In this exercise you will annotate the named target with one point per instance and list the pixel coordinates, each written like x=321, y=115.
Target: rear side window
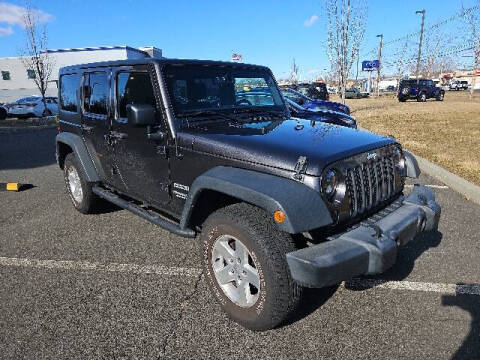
x=95, y=93
x=133, y=88
x=68, y=92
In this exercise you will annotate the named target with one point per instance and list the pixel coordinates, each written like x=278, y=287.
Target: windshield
x=200, y=88
x=28, y=100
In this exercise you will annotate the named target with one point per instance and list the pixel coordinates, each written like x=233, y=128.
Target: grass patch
x=446, y=133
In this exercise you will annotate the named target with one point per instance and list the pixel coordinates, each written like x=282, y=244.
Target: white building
x=17, y=82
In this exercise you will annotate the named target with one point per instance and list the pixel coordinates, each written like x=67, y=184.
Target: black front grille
x=370, y=183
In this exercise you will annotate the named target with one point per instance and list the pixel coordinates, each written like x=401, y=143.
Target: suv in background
x=458, y=85
x=419, y=89
x=315, y=91
x=279, y=203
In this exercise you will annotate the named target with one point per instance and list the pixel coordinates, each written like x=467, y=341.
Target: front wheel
x=440, y=97
x=79, y=190
x=246, y=267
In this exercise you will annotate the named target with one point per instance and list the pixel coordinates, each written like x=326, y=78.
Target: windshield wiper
x=205, y=113
x=253, y=110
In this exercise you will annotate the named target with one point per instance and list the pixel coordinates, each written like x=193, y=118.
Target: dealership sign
x=368, y=65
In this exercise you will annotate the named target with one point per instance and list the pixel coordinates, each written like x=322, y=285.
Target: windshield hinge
x=300, y=168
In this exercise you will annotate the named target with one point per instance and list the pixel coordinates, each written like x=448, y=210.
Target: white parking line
x=449, y=289
x=112, y=267
x=358, y=284
x=430, y=186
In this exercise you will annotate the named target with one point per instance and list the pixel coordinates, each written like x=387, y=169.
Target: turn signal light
x=279, y=216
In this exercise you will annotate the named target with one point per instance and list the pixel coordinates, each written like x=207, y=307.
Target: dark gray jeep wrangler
x=280, y=203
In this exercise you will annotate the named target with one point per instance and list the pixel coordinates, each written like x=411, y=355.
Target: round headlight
x=399, y=160
x=333, y=187
x=329, y=183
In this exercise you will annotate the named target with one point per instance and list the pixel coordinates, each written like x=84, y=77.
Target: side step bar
x=165, y=224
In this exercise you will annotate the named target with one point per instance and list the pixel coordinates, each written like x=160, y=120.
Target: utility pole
x=379, y=62
x=421, y=38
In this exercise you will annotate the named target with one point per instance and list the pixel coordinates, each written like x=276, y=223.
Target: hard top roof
x=162, y=61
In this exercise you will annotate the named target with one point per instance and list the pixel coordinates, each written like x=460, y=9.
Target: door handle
x=87, y=128
x=118, y=135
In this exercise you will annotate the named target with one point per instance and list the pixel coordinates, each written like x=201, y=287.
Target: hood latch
x=300, y=168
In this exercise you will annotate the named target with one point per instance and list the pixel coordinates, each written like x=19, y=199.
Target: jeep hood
x=279, y=144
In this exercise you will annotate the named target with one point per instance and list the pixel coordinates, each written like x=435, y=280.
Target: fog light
x=279, y=216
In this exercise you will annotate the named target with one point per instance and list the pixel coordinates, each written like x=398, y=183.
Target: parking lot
x=112, y=285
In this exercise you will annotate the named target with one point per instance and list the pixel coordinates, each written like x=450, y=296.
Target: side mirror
x=141, y=115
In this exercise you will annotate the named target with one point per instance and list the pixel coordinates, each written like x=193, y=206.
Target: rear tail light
x=328, y=97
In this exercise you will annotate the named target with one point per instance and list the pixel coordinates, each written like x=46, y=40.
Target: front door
x=96, y=120
x=142, y=163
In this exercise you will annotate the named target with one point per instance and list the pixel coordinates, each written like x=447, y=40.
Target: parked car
x=312, y=104
x=354, y=93
x=324, y=115
x=419, y=89
x=315, y=91
x=3, y=112
x=32, y=106
x=172, y=142
x=458, y=85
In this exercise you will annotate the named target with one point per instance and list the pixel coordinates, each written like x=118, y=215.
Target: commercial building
x=16, y=81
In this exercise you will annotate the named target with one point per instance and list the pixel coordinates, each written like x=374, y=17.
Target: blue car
x=322, y=115
x=311, y=104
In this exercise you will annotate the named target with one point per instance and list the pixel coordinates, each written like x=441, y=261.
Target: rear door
x=142, y=163
x=96, y=122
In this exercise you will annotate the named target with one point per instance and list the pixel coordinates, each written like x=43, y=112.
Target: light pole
x=421, y=38
x=379, y=62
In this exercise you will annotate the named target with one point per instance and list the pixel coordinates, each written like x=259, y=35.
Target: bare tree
x=473, y=20
x=35, y=57
x=346, y=29
x=294, y=73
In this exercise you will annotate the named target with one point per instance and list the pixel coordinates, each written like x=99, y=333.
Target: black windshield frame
x=223, y=91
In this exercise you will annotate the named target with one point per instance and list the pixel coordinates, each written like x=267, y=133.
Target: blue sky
x=270, y=33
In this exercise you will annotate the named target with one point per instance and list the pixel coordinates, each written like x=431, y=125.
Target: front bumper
x=370, y=248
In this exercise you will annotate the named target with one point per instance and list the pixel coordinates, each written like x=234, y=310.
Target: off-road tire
x=422, y=97
x=3, y=114
x=402, y=99
x=279, y=295
x=440, y=96
x=90, y=201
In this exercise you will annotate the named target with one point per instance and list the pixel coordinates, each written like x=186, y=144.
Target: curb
x=460, y=185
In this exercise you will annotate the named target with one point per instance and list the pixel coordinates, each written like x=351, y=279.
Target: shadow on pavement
x=311, y=300
x=406, y=258
x=27, y=149
x=470, y=348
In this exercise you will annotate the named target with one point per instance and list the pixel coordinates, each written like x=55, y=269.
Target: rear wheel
x=3, y=113
x=422, y=97
x=79, y=190
x=246, y=267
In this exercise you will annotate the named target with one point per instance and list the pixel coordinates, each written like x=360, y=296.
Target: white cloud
x=5, y=31
x=313, y=71
x=311, y=20
x=12, y=15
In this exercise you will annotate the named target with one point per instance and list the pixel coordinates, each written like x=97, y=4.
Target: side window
x=95, y=93
x=6, y=75
x=133, y=88
x=68, y=92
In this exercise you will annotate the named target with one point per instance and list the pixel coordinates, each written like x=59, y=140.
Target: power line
x=462, y=13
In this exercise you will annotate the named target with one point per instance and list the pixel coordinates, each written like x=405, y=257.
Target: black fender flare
x=78, y=147
x=413, y=170
x=304, y=207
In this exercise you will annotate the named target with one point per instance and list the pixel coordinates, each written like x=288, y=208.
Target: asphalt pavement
x=112, y=285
